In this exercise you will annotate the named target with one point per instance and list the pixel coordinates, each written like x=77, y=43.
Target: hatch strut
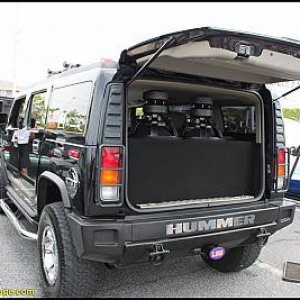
x=287, y=93
x=150, y=60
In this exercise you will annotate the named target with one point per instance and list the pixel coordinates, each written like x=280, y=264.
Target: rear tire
x=236, y=259
x=74, y=277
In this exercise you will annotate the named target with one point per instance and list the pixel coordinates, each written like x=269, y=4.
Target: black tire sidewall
x=77, y=277
x=236, y=259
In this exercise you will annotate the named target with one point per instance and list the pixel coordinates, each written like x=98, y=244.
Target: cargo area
x=199, y=146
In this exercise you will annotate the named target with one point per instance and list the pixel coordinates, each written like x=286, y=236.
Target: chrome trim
x=206, y=202
x=72, y=182
x=28, y=211
x=17, y=224
x=49, y=255
x=65, y=143
x=188, y=237
x=120, y=201
x=187, y=216
x=241, y=229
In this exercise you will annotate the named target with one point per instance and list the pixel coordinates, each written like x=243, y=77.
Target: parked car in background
x=292, y=137
x=5, y=104
x=293, y=191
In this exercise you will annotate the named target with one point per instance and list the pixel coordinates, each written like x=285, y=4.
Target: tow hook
x=262, y=237
x=158, y=254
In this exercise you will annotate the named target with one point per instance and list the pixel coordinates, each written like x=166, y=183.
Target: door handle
x=35, y=146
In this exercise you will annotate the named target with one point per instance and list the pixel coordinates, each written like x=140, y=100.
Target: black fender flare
x=60, y=185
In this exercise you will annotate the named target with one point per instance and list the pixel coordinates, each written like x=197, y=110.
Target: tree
x=73, y=121
x=52, y=111
x=38, y=109
x=291, y=113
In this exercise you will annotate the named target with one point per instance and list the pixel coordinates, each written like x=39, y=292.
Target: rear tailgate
x=223, y=54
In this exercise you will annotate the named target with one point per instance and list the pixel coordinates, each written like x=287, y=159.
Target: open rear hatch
x=167, y=172
x=222, y=54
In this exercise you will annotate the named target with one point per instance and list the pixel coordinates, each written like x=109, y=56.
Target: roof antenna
x=68, y=66
x=51, y=72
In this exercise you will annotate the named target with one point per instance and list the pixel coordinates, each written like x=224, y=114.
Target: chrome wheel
x=49, y=255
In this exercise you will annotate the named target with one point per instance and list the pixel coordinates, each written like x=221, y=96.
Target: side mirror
x=3, y=119
x=294, y=151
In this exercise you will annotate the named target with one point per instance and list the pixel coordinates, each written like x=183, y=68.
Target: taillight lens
x=110, y=157
x=74, y=153
x=110, y=177
x=6, y=148
x=107, y=60
x=281, y=169
x=281, y=161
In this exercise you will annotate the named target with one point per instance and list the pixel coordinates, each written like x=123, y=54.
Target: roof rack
x=66, y=67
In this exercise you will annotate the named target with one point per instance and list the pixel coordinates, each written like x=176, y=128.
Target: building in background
x=7, y=95
x=7, y=88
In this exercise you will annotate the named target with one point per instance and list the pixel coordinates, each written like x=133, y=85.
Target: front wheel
x=63, y=273
x=236, y=259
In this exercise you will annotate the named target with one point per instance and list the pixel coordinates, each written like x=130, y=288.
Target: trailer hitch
x=158, y=254
x=262, y=237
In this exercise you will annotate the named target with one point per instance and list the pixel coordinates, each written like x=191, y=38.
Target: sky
x=37, y=36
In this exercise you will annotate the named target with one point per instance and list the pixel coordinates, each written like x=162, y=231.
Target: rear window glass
x=239, y=119
x=69, y=108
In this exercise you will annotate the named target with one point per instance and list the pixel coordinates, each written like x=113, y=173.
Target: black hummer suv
x=177, y=149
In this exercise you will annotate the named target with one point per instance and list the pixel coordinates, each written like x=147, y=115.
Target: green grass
x=291, y=113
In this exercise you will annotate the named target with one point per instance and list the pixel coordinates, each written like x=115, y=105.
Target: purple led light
x=217, y=253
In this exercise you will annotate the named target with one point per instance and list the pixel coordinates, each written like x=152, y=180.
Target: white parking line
x=269, y=268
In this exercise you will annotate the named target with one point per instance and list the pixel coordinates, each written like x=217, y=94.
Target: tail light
x=110, y=177
x=6, y=148
x=107, y=60
x=281, y=172
x=74, y=154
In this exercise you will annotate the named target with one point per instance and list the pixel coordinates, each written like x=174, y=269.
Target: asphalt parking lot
x=186, y=277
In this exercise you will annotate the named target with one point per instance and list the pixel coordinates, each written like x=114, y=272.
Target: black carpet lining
x=169, y=168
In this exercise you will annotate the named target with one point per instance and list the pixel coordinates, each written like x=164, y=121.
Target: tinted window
x=38, y=110
x=69, y=107
x=18, y=112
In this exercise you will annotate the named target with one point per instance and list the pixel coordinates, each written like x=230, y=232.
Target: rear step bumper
x=136, y=239
x=17, y=224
